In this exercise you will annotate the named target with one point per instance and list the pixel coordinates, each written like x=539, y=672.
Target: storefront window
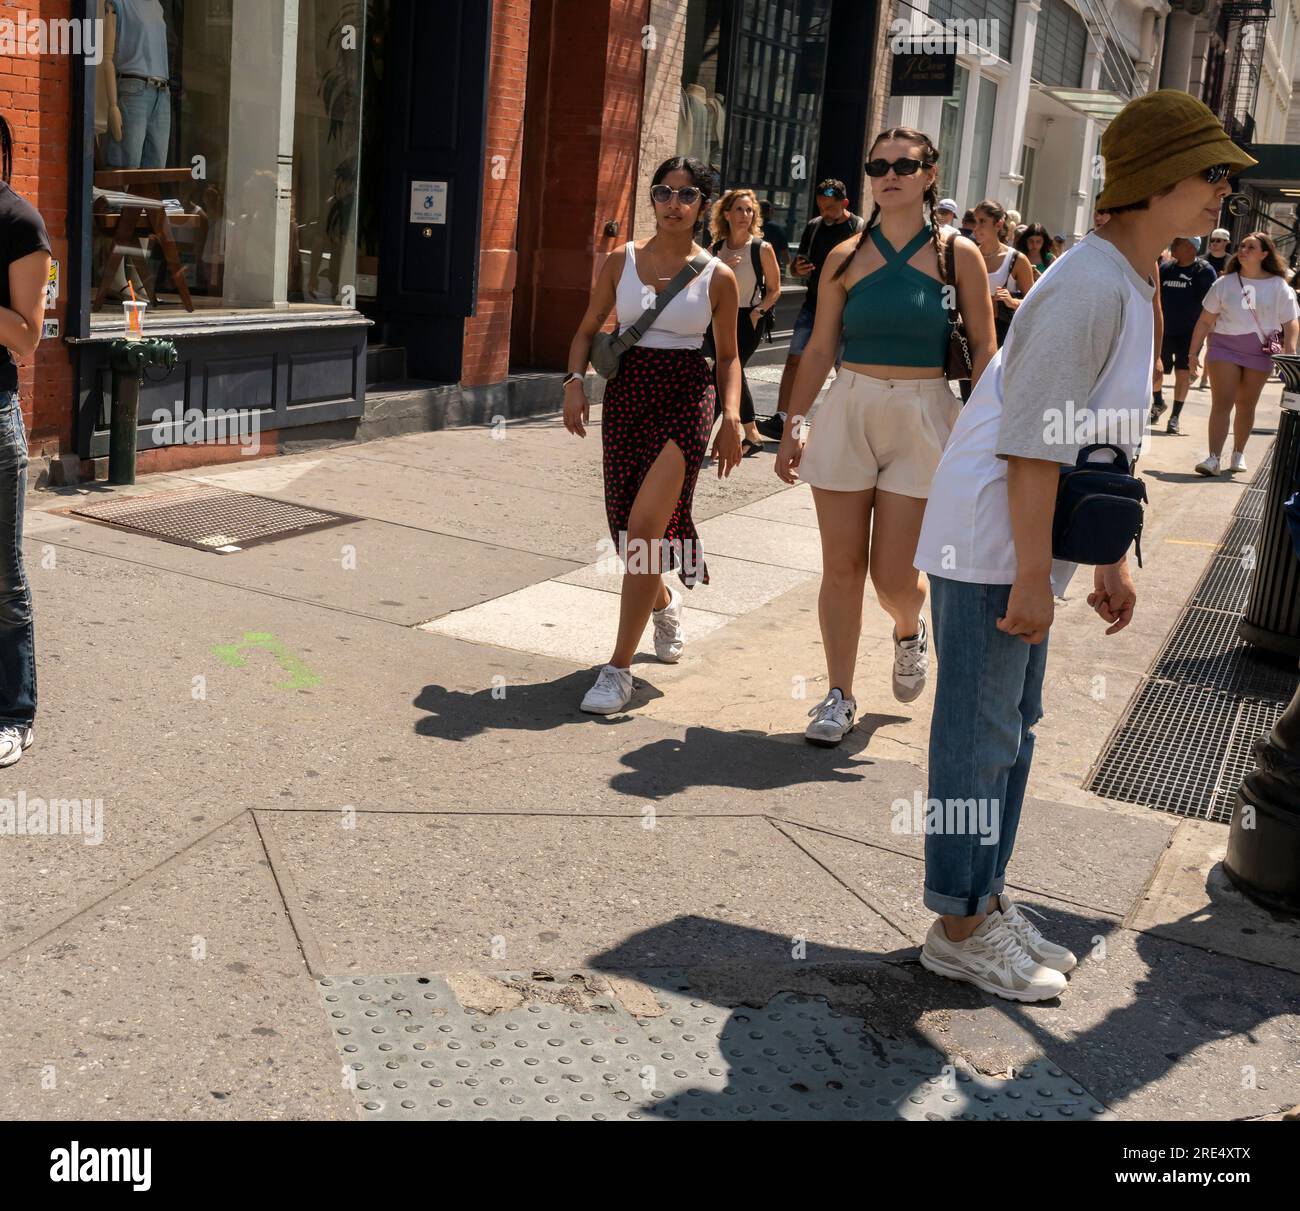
x=228, y=135
x=776, y=107
x=951, y=122
x=977, y=181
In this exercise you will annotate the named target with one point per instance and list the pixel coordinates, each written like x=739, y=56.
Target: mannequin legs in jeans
x=17, y=645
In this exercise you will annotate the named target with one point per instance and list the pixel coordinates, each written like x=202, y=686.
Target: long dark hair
x=1022, y=243
x=1272, y=262
x=929, y=157
x=6, y=150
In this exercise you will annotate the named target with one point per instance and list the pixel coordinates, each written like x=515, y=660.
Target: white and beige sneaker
x=832, y=720
x=1238, y=461
x=669, y=636
x=1209, y=465
x=911, y=664
x=1037, y=947
x=992, y=959
x=14, y=741
x=611, y=693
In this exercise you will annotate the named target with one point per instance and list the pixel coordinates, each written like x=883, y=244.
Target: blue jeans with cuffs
x=17, y=642
x=988, y=697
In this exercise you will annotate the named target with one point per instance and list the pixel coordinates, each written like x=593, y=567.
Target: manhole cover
x=410, y=1050
x=209, y=518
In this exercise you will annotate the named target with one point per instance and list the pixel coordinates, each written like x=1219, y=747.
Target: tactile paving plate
x=208, y=517
x=414, y=1053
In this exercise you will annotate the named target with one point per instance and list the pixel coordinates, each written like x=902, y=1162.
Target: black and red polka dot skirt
x=658, y=396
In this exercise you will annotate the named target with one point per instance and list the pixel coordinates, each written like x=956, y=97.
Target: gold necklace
x=666, y=277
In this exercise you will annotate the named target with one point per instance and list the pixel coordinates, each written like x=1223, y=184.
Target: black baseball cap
x=831, y=188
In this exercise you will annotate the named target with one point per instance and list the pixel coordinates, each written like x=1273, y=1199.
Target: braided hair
x=6, y=150
x=929, y=158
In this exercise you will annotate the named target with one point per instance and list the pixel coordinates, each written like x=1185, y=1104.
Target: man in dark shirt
x=24, y=271
x=1184, y=282
x=834, y=224
x=1218, y=253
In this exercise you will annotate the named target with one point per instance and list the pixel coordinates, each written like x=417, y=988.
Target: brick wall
x=486, y=357
x=661, y=103
x=35, y=98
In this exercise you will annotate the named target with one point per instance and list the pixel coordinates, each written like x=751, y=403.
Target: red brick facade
x=35, y=98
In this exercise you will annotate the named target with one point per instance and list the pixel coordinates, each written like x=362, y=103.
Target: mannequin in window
x=139, y=95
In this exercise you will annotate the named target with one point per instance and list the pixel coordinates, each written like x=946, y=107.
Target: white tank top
x=998, y=278
x=682, y=324
x=746, y=282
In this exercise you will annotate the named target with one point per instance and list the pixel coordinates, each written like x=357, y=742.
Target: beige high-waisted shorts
x=879, y=433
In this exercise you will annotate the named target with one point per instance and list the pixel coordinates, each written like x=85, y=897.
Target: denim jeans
x=146, y=126
x=17, y=645
x=988, y=697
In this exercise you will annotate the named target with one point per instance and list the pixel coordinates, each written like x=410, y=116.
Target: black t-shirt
x=1217, y=262
x=775, y=235
x=22, y=232
x=1182, y=289
x=816, y=243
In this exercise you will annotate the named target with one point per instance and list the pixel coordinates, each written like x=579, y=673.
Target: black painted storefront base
x=269, y=375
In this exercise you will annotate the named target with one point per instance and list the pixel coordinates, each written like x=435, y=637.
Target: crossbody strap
x=688, y=272
x=1254, y=315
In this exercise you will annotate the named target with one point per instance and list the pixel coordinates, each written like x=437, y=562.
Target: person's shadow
x=792, y=1046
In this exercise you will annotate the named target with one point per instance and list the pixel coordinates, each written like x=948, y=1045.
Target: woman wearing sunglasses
x=878, y=435
x=657, y=414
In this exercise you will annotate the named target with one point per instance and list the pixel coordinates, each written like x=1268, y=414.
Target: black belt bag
x=1098, y=510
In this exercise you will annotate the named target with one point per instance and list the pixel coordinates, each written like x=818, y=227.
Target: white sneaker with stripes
x=992, y=959
x=1049, y=954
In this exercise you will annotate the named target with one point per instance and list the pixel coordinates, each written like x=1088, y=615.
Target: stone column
x=1013, y=104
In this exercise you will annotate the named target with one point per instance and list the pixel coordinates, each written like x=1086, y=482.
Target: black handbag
x=1098, y=510
x=957, y=362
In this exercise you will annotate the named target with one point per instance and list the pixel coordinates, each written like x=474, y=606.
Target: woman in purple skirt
x=1247, y=312
x=657, y=415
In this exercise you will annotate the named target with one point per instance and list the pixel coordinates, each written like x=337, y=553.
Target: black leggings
x=746, y=342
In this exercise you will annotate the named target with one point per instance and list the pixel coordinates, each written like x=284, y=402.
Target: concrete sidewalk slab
x=370, y=568
x=736, y=586
x=556, y=619
x=183, y=997
x=446, y=894
x=782, y=543
x=794, y=506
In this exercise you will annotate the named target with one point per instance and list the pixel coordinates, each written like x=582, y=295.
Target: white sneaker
x=911, y=663
x=669, y=636
x=13, y=741
x=1037, y=947
x=832, y=720
x=1238, y=461
x=1209, y=465
x=992, y=959
x=611, y=693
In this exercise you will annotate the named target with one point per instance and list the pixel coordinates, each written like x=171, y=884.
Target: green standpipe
x=129, y=359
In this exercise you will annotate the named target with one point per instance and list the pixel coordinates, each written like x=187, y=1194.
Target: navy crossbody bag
x=1098, y=510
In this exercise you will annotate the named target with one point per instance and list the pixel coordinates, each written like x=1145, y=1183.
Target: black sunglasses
x=1217, y=172
x=903, y=168
x=687, y=196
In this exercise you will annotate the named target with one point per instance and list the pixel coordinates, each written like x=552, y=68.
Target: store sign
x=52, y=286
x=428, y=201
x=920, y=71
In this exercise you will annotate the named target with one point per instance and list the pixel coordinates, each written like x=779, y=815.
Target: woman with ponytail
x=877, y=437
x=24, y=270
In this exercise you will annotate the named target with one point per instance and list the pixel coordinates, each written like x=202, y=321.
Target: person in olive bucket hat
x=986, y=538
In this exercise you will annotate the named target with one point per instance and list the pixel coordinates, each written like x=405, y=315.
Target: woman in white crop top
x=657, y=414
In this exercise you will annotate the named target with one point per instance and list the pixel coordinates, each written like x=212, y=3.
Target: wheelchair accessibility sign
x=428, y=201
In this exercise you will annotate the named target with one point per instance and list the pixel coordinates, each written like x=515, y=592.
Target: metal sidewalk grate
x=1224, y=586
x=209, y=518
x=1187, y=736
x=1251, y=504
x=412, y=1051
x=1169, y=749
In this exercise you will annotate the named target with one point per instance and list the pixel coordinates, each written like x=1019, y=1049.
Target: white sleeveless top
x=682, y=324
x=746, y=282
x=998, y=278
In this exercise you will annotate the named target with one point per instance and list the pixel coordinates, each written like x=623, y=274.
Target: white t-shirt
x=1075, y=369
x=680, y=325
x=1274, y=303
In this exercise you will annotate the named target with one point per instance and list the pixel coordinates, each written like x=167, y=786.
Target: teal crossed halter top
x=895, y=315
